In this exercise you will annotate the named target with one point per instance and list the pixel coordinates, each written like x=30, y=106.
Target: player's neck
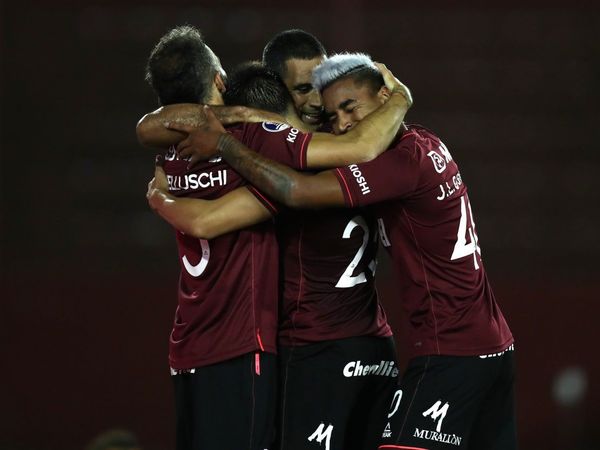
x=295, y=121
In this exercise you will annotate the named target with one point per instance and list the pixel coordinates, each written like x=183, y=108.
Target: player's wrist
x=225, y=143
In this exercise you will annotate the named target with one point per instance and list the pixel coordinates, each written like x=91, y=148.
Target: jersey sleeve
x=278, y=142
x=272, y=206
x=394, y=174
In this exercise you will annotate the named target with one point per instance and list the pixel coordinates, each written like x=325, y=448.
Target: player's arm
x=152, y=129
x=284, y=184
x=205, y=219
x=367, y=140
x=370, y=137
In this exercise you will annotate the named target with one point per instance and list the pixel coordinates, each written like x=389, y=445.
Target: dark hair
x=291, y=44
x=363, y=75
x=181, y=68
x=252, y=84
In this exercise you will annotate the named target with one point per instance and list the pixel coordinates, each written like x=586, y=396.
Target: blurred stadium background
x=88, y=279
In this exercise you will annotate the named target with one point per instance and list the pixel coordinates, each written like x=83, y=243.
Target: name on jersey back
x=195, y=180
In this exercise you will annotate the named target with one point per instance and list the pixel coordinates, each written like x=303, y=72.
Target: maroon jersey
x=426, y=222
x=329, y=260
x=328, y=257
x=228, y=287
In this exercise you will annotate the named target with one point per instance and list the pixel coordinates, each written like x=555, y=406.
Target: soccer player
x=223, y=343
x=293, y=54
x=458, y=388
x=336, y=346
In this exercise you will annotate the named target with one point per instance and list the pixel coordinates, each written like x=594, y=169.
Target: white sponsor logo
x=387, y=432
x=358, y=176
x=494, y=355
x=384, y=369
x=437, y=410
x=322, y=434
x=197, y=180
x=451, y=439
x=274, y=127
x=292, y=135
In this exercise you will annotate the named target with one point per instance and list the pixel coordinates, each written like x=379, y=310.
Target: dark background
x=89, y=274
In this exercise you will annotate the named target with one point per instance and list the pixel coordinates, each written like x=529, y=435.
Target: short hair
x=290, y=44
x=181, y=67
x=252, y=84
x=358, y=66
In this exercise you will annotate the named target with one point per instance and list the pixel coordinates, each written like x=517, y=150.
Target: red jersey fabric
x=328, y=257
x=228, y=286
x=426, y=223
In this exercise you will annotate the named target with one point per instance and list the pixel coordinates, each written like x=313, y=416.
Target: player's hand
x=201, y=143
x=159, y=184
x=394, y=84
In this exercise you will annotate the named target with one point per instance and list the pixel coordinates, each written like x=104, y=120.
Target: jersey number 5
x=463, y=248
x=196, y=270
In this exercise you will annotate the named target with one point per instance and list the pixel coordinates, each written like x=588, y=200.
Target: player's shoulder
x=262, y=127
x=251, y=131
x=418, y=134
x=416, y=140
x=429, y=149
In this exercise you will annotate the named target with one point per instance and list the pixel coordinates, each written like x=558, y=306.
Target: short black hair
x=181, y=67
x=363, y=75
x=289, y=44
x=252, y=84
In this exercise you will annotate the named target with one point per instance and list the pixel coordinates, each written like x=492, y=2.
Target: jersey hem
x=445, y=351
x=297, y=341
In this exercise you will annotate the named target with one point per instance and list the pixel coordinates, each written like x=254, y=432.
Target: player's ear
x=384, y=94
x=219, y=82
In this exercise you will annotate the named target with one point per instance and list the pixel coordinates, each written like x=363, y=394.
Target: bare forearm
x=184, y=214
x=234, y=114
x=151, y=130
x=152, y=133
x=363, y=143
x=377, y=131
x=207, y=219
x=273, y=178
x=287, y=186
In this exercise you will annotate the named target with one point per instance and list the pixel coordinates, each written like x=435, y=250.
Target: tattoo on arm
x=269, y=176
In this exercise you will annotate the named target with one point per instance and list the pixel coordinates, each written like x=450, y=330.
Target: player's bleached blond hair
x=339, y=65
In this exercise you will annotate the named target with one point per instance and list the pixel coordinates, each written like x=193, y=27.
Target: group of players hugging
x=280, y=192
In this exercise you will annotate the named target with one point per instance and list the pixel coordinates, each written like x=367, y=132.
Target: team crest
x=439, y=163
x=274, y=127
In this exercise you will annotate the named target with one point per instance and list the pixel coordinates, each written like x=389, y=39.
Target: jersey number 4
x=466, y=229
x=347, y=280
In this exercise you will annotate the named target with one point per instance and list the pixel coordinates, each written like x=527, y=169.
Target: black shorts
x=227, y=406
x=335, y=394
x=454, y=402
